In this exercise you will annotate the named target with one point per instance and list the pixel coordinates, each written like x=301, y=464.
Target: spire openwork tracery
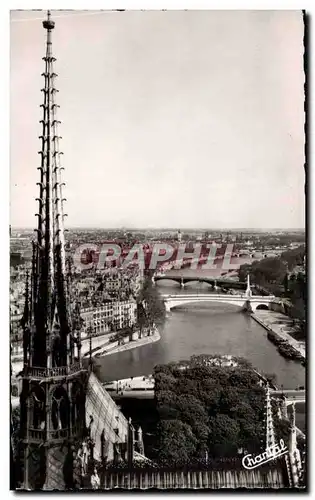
x=49, y=298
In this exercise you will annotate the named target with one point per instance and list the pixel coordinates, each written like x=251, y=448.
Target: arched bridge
x=213, y=282
x=243, y=301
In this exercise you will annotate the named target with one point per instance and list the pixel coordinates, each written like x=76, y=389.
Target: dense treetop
x=208, y=412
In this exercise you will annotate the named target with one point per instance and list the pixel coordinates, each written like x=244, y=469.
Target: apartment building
x=109, y=316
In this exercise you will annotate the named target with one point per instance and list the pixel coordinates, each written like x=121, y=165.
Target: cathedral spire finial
x=48, y=24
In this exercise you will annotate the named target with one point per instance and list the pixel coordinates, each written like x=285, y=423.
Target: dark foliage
x=274, y=275
x=151, y=308
x=208, y=411
x=268, y=272
x=294, y=257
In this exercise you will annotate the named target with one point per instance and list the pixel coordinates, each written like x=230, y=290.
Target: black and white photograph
x=158, y=256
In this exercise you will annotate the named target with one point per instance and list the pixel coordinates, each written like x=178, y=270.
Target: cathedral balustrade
x=60, y=434
x=59, y=371
x=40, y=435
x=36, y=434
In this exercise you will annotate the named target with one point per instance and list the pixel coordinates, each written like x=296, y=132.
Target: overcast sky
x=169, y=119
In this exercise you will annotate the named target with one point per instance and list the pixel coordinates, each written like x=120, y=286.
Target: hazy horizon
x=161, y=228
x=176, y=119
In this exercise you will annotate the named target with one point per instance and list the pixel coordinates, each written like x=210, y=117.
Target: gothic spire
x=49, y=269
x=52, y=399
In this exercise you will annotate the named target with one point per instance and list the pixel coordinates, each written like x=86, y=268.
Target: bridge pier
x=248, y=306
x=182, y=284
x=167, y=306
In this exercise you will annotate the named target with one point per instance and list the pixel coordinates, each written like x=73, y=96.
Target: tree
x=185, y=386
x=177, y=443
x=161, y=369
x=230, y=399
x=298, y=309
x=252, y=434
x=243, y=271
x=243, y=378
x=191, y=409
x=164, y=382
x=210, y=395
x=294, y=257
x=269, y=271
x=224, y=436
x=271, y=378
x=167, y=404
x=151, y=308
x=223, y=406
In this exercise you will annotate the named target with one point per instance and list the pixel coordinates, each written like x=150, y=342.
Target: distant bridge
x=246, y=256
x=243, y=301
x=182, y=281
x=290, y=395
x=287, y=398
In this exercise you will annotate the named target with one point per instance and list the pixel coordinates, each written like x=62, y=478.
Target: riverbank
x=130, y=344
x=134, y=387
x=105, y=347
x=279, y=326
x=97, y=342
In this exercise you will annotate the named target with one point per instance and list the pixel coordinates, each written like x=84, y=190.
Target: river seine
x=204, y=329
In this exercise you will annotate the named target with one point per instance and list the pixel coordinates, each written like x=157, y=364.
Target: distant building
x=129, y=279
x=109, y=316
